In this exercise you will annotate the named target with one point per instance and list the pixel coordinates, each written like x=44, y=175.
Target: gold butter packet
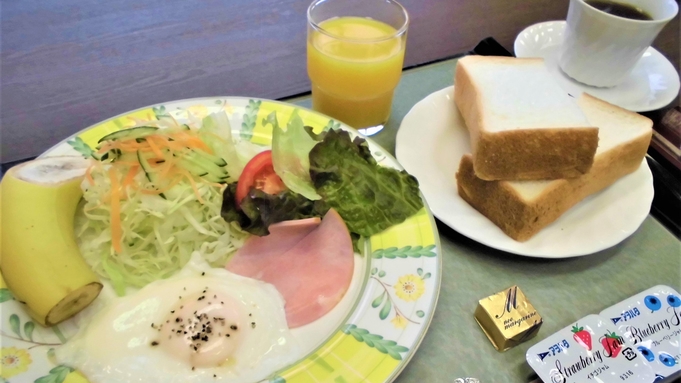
x=507, y=318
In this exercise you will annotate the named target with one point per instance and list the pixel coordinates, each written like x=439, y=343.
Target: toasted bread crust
x=521, y=219
x=531, y=154
x=522, y=154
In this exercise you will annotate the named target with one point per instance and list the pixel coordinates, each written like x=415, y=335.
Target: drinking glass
x=355, y=52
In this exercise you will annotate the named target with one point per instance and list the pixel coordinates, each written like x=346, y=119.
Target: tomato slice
x=259, y=173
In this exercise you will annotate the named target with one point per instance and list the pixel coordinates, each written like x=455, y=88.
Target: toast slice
x=523, y=208
x=522, y=124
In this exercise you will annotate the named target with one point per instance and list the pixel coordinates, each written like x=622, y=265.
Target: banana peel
x=39, y=257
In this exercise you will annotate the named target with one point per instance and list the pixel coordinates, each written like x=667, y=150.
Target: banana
x=39, y=257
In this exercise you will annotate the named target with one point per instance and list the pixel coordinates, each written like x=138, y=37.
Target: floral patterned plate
x=376, y=337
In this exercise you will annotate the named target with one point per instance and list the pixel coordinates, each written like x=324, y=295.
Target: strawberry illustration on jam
x=612, y=343
x=581, y=336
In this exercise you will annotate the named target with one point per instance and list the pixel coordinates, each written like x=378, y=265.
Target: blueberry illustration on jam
x=667, y=359
x=673, y=300
x=652, y=303
x=646, y=353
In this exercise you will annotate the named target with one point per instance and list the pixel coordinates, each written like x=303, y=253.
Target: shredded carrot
x=166, y=169
x=191, y=181
x=120, y=163
x=198, y=143
x=163, y=141
x=116, y=228
x=88, y=175
x=192, y=141
x=154, y=148
x=163, y=164
x=158, y=140
x=127, y=181
x=125, y=145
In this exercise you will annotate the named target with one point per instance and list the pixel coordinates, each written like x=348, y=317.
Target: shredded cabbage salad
x=133, y=231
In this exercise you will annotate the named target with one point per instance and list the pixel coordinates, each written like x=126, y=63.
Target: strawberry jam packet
x=651, y=322
x=590, y=350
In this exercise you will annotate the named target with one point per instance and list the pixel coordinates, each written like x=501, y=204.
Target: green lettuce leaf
x=369, y=197
x=259, y=210
x=216, y=132
x=290, y=154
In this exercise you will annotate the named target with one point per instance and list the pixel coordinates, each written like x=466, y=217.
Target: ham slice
x=310, y=264
x=248, y=260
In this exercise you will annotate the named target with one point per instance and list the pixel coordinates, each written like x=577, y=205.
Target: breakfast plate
x=653, y=83
x=432, y=139
x=369, y=336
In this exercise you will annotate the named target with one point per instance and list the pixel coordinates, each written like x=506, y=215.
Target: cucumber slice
x=110, y=155
x=193, y=161
x=192, y=168
x=148, y=171
x=211, y=178
x=136, y=132
x=210, y=157
x=200, y=170
x=200, y=166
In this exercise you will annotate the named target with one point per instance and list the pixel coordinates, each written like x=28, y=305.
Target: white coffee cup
x=601, y=49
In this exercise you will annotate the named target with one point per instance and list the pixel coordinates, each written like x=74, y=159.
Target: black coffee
x=620, y=9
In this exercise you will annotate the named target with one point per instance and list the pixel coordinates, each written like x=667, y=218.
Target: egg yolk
x=203, y=329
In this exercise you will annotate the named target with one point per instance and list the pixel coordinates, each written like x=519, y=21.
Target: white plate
x=370, y=335
x=653, y=83
x=430, y=143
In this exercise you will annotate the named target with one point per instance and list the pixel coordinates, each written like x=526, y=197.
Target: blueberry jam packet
x=636, y=340
x=651, y=322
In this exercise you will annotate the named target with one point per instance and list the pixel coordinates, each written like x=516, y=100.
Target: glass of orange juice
x=355, y=52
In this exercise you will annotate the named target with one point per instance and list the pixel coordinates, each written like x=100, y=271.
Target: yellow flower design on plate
x=410, y=287
x=13, y=361
x=399, y=321
x=199, y=111
x=228, y=108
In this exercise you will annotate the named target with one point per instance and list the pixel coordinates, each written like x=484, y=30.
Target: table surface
x=68, y=64
x=562, y=291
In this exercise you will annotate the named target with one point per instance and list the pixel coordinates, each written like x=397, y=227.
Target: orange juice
x=354, y=68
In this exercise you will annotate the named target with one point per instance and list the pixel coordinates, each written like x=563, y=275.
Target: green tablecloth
x=561, y=290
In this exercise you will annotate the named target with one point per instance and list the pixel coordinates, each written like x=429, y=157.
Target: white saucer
x=653, y=83
x=433, y=137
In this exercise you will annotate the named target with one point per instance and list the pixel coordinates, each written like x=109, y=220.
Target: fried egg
x=201, y=325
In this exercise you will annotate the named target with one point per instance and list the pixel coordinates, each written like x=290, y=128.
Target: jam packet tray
x=588, y=350
x=636, y=341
